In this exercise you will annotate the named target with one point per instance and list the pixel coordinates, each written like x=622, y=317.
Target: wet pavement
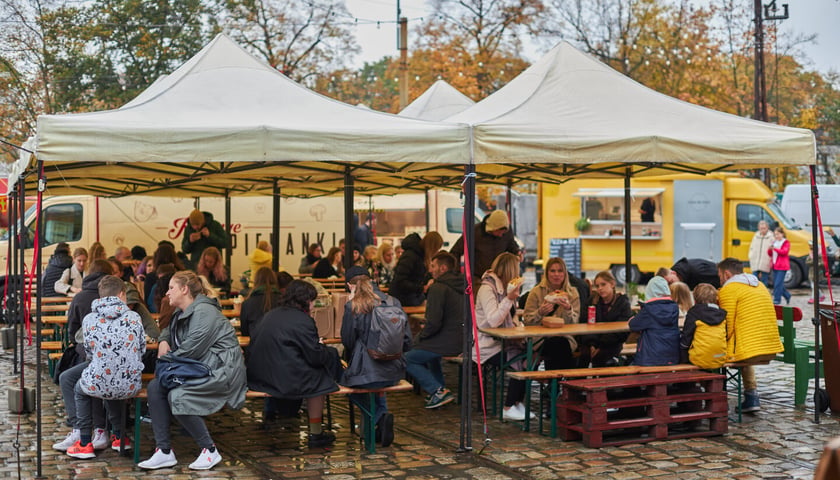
x=779, y=442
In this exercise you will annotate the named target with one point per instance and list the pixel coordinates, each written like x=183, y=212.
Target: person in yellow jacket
x=260, y=258
x=703, y=338
x=751, y=329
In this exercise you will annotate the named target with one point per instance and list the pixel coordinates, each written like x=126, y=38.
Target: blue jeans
x=779, y=290
x=763, y=277
x=425, y=367
x=362, y=400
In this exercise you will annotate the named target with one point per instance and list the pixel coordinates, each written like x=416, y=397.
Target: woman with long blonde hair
x=495, y=299
x=211, y=267
x=363, y=371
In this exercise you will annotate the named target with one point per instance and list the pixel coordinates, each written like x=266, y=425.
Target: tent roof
x=224, y=114
x=569, y=108
x=441, y=100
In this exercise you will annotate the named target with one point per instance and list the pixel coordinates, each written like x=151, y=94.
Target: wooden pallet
x=642, y=408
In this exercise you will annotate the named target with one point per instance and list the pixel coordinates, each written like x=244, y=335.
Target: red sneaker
x=78, y=451
x=115, y=443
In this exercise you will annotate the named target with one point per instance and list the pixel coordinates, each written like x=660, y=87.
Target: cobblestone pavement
x=779, y=442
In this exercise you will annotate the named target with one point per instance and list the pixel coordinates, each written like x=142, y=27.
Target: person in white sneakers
x=114, y=342
x=198, y=338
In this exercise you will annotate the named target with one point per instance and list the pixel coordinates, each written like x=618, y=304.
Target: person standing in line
x=202, y=231
x=197, y=334
x=492, y=237
x=759, y=258
x=442, y=332
x=780, y=252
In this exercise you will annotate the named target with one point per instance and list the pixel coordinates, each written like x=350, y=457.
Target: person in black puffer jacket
x=59, y=262
x=410, y=275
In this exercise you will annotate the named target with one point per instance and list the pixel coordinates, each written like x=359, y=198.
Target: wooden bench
x=553, y=377
x=370, y=444
x=799, y=353
x=642, y=408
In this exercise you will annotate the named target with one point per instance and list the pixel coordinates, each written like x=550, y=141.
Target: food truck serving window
x=604, y=208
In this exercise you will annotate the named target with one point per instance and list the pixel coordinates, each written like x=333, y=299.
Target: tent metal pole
x=467, y=365
x=11, y=282
x=816, y=251
x=229, y=249
x=38, y=361
x=628, y=233
x=426, y=200
x=509, y=204
x=348, y=218
x=275, y=226
x=20, y=274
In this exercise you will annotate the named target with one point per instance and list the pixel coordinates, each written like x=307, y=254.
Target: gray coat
x=205, y=335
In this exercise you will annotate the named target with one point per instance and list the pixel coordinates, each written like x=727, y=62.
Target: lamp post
x=761, y=13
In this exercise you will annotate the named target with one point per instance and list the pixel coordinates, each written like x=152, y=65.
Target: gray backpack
x=387, y=330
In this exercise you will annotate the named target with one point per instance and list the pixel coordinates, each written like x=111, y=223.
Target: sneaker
x=206, y=459
x=322, y=439
x=71, y=438
x=386, y=428
x=516, y=413
x=78, y=451
x=100, y=439
x=115, y=443
x=440, y=398
x=751, y=403
x=159, y=460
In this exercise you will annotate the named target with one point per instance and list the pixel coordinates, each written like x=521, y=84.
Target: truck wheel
x=619, y=273
x=794, y=276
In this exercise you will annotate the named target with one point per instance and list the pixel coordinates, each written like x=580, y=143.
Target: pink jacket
x=782, y=256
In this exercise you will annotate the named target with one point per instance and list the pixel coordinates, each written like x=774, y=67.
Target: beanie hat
x=496, y=220
x=196, y=217
x=355, y=271
x=657, y=287
x=138, y=252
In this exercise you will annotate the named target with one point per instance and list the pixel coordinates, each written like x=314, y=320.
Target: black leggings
x=606, y=352
x=557, y=354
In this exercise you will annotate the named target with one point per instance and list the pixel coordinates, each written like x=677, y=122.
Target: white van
x=796, y=204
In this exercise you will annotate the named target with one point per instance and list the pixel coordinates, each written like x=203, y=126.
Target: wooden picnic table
x=532, y=333
x=243, y=342
x=48, y=300
x=55, y=308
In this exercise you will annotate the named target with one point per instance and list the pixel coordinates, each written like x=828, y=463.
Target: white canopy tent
x=226, y=120
x=571, y=109
x=440, y=101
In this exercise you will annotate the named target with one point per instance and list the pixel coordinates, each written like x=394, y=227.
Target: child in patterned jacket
x=114, y=342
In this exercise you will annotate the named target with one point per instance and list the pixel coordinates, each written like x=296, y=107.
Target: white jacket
x=759, y=258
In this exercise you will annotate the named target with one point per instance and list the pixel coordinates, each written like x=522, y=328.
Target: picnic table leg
x=370, y=428
x=526, y=425
x=502, y=362
x=553, y=405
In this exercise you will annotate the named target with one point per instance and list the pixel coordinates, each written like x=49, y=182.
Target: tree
x=483, y=31
x=300, y=38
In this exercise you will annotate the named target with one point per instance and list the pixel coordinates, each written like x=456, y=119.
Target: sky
x=806, y=16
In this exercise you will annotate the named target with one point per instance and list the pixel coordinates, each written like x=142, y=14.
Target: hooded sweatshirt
x=114, y=342
x=444, y=328
x=257, y=260
x=410, y=273
x=703, y=339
